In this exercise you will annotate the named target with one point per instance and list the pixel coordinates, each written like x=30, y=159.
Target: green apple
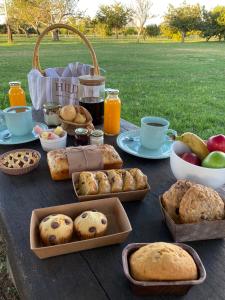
x=215, y=159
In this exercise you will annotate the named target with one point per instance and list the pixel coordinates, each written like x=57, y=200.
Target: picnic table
x=93, y=274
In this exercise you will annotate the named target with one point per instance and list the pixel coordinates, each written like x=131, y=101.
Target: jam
x=82, y=137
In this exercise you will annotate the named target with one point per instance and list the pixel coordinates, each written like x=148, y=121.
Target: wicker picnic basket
x=45, y=87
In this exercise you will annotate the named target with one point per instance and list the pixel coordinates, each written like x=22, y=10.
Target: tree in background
x=142, y=13
x=4, y=12
x=152, y=30
x=183, y=19
x=213, y=23
x=115, y=17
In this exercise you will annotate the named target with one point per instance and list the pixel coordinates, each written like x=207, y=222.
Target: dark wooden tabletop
x=93, y=274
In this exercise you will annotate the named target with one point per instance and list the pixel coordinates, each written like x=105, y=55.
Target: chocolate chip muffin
x=172, y=197
x=162, y=261
x=56, y=229
x=90, y=224
x=201, y=203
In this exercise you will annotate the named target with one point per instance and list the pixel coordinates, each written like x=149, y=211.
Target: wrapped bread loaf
x=59, y=165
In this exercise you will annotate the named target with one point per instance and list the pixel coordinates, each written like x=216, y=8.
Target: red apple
x=192, y=158
x=216, y=143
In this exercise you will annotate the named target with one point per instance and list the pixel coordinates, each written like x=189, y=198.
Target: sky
x=158, y=9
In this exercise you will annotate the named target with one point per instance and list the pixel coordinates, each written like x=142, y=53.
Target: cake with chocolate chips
x=56, y=229
x=90, y=224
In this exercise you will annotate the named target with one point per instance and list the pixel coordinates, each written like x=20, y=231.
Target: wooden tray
x=137, y=195
x=162, y=287
x=206, y=230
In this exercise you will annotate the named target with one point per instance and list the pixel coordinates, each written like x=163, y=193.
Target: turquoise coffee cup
x=19, y=120
x=154, y=131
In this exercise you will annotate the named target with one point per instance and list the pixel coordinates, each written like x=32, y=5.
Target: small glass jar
x=97, y=137
x=82, y=137
x=51, y=113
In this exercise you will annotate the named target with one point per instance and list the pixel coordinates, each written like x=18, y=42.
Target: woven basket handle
x=36, y=63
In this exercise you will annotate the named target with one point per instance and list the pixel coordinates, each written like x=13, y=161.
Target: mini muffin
x=201, y=203
x=56, y=229
x=172, y=197
x=162, y=262
x=90, y=224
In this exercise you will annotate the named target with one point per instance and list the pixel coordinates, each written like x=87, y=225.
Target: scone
x=56, y=229
x=201, y=203
x=90, y=224
x=172, y=198
x=162, y=262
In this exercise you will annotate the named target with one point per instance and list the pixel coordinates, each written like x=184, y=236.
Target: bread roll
x=116, y=181
x=104, y=186
x=68, y=113
x=80, y=118
x=87, y=184
x=140, y=179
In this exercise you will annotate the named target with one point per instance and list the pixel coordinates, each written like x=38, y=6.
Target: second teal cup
x=19, y=120
x=154, y=131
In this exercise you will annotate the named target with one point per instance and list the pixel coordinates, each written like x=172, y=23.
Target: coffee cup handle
x=2, y=121
x=171, y=134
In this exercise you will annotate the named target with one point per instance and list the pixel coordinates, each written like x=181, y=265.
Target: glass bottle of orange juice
x=17, y=96
x=112, y=109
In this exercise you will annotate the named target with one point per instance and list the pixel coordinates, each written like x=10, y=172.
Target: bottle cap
x=14, y=83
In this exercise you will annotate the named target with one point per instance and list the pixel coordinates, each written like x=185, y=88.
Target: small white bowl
x=182, y=169
x=48, y=145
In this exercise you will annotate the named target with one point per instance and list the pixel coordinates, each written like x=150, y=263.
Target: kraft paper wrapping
x=84, y=158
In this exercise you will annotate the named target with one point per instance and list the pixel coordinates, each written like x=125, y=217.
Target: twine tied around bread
x=84, y=158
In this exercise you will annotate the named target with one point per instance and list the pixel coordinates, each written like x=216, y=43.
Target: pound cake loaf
x=162, y=262
x=59, y=167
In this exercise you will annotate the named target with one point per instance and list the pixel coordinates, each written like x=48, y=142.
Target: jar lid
x=91, y=79
x=112, y=91
x=14, y=83
x=97, y=133
x=81, y=131
x=51, y=105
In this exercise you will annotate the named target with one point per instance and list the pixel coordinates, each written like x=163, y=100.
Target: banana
x=195, y=143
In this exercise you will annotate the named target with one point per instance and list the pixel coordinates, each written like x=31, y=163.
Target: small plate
x=134, y=146
x=15, y=140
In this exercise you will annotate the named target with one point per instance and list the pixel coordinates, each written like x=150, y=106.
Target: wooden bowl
x=69, y=127
x=19, y=171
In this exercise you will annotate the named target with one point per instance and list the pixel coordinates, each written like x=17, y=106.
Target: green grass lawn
x=182, y=82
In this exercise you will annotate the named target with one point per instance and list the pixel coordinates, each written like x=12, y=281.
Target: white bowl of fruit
x=51, y=139
x=200, y=161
